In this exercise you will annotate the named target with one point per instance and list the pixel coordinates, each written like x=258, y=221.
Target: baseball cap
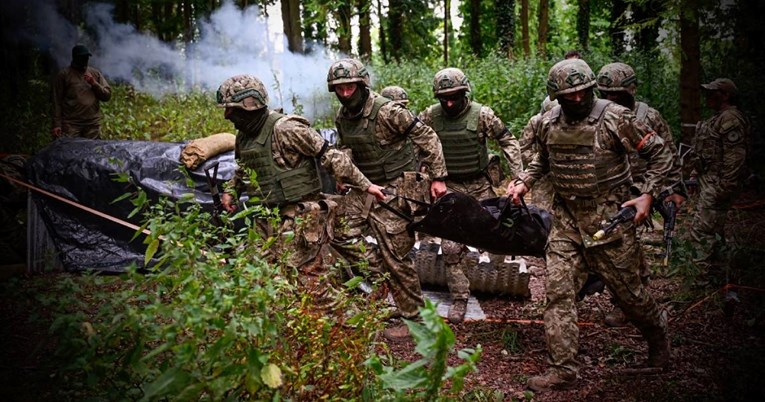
x=721, y=84
x=80, y=50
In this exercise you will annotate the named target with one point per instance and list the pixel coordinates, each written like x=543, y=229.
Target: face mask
x=577, y=110
x=80, y=62
x=459, y=102
x=355, y=102
x=246, y=120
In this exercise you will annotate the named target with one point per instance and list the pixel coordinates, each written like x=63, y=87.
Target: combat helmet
x=396, y=94
x=450, y=80
x=243, y=92
x=568, y=76
x=346, y=71
x=617, y=77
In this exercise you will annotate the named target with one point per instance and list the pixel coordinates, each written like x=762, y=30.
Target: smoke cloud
x=231, y=41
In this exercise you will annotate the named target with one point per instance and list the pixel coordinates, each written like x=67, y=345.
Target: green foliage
x=423, y=380
x=174, y=117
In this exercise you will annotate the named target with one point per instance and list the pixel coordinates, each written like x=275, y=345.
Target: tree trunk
x=505, y=14
x=525, y=38
x=645, y=37
x=476, y=45
x=365, y=37
x=447, y=18
x=383, y=39
x=292, y=25
x=343, y=16
x=122, y=11
x=544, y=19
x=616, y=30
x=690, y=69
x=395, y=11
x=583, y=24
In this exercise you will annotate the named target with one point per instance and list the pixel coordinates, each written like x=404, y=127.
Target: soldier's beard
x=355, y=102
x=577, y=110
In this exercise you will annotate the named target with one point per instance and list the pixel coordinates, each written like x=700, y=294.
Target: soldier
x=721, y=146
x=77, y=93
x=283, y=150
x=584, y=144
x=382, y=136
x=396, y=94
x=464, y=126
x=617, y=82
x=542, y=194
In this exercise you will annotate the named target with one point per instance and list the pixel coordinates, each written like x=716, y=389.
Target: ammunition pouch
x=313, y=220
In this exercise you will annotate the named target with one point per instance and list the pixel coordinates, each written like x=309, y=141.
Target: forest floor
x=718, y=348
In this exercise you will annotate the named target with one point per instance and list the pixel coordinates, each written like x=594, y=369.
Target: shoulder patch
x=734, y=136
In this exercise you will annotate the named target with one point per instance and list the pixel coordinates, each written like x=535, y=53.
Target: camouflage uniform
x=587, y=161
x=396, y=94
x=294, y=149
x=480, y=122
x=396, y=132
x=76, y=103
x=542, y=194
x=721, y=146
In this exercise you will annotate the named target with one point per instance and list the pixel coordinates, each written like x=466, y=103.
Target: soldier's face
x=345, y=91
x=714, y=99
x=453, y=104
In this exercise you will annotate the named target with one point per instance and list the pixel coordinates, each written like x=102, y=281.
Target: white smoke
x=232, y=41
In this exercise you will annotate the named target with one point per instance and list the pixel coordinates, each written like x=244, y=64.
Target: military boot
x=552, y=379
x=658, y=350
x=615, y=318
x=457, y=311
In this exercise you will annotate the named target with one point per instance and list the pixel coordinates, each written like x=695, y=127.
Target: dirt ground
x=718, y=348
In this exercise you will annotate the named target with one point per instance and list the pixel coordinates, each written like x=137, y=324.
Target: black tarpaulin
x=84, y=171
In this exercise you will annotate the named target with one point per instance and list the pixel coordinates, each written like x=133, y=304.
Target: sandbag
x=494, y=225
x=198, y=151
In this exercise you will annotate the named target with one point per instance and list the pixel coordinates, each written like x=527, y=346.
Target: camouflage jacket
x=75, y=101
x=653, y=119
x=491, y=126
x=293, y=141
x=527, y=142
x=721, y=146
x=393, y=123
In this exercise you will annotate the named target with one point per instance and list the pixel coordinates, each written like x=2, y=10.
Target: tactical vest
x=380, y=165
x=275, y=186
x=465, y=154
x=580, y=167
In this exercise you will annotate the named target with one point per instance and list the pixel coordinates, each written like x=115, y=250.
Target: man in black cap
x=77, y=93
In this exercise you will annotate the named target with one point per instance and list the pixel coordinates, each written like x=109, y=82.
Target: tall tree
x=383, y=38
x=544, y=25
x=525, y=37
x=583, y=24
x=342, y=14
x=476, y=45
x=616, y=28
x=447, y=19
x=395, y=27
x=690, y=68
x=646, y=17
x=292, y=25
x=505, y=13
x=365, y=37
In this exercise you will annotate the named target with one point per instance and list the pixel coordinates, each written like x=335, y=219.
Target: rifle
x=212, y=182
x=625, y=214
x=668, y=212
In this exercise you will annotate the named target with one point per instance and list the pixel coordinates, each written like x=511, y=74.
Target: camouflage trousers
x=90, y=131
x=360, y=215
x=708, y=223
x=542, y=194
x=455, y=261
x=304, y=230
x=617, y=263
